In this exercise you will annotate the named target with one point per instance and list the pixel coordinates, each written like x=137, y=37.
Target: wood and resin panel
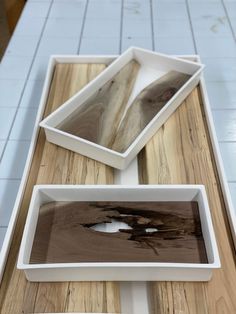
x=71, y=232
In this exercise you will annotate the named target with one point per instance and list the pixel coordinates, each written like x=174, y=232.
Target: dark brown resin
x=64, y=233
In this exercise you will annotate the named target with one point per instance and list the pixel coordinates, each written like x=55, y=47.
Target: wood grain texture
x=98, y=118
x=104, y=118
x=181, y=152
x=52, y=164
x=4, y=29
x=70, y=232
x=146, y=106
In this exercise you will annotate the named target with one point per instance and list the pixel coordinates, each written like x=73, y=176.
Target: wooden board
x=179, y=153
x=52, y=164
x=13, y=11
x=4, y=29
x=146, y=106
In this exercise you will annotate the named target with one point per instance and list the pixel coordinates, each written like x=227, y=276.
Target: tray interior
x=127, y=102
x=73, y=232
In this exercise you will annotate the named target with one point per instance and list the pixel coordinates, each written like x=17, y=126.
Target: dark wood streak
x=64, y=233
x=146, y=106
x=98, y=118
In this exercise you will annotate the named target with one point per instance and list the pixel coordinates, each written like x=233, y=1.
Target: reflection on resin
x=118, y=232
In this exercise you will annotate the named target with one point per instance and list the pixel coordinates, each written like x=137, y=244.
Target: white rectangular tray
x=153, y=66
x=121, y=177
x=114, y=271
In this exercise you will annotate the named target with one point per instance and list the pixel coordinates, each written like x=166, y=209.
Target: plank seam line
x=83, y=25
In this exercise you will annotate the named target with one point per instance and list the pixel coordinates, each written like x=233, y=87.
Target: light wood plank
x=180, y=152
x=52, y=164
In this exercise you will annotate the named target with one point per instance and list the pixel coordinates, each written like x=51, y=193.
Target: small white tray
x=152, y=66
x=114, y=271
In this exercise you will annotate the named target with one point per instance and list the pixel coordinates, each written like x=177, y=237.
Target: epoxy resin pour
x=69, y=232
